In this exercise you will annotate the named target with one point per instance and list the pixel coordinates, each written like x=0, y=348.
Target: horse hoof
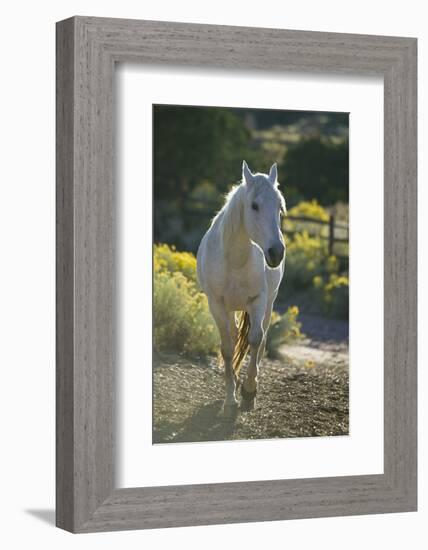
x=248, y=402
x=230, y=410
x=248, y=405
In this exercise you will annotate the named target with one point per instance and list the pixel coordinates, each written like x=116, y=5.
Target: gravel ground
x=304, y=393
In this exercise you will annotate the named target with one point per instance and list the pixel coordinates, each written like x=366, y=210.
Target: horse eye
x=255, y=206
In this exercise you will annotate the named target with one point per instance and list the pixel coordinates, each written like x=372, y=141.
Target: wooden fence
x=334, y=228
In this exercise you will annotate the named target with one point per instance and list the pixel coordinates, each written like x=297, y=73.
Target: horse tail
x=241, y=346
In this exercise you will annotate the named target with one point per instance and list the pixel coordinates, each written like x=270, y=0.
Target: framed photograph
x=236, y=274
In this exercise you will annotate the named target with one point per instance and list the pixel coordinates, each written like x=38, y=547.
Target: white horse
x=240, y=264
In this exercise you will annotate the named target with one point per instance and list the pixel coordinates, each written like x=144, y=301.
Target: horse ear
x=273, y=174
x=247, y=176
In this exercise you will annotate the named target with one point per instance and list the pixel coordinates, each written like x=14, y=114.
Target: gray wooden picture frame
x=87, y=50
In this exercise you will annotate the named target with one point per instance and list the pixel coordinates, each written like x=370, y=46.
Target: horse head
x=263, y=206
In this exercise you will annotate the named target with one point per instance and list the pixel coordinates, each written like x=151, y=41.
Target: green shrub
x=306, y=258
x=283, y=329
x=333, y=295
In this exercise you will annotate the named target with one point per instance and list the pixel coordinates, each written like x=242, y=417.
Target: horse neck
x=235, y=239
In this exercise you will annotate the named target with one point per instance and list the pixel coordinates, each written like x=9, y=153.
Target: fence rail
x=330, y=223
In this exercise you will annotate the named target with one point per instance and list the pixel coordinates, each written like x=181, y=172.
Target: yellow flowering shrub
x=283, y=329
x=307, y=209
x=306, y=258
x=182, y=321
x=167, y=258
x=333, y=294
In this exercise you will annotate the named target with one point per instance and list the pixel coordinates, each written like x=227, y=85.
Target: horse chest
x=238, y=291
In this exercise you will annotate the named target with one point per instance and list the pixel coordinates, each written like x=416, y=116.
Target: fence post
x=330, y=235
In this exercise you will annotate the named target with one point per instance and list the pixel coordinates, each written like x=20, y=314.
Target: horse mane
x=229, y=217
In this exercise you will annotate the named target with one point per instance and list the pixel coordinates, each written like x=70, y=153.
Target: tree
x=192, y=144
x=318, y=168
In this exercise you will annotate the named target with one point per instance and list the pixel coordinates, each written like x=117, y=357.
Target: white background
x=362, y=451
x=27, y=273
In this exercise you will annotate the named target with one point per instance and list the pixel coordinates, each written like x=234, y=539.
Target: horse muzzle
x=275, y=255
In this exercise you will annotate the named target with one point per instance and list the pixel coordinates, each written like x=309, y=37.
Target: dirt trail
x=303, y=393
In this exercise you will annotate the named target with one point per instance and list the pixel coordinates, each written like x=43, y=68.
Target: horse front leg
x=266, y=323
x=256, y=337
x=227, y=332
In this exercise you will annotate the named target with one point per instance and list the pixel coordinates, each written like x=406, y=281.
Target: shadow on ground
x=205, y=424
